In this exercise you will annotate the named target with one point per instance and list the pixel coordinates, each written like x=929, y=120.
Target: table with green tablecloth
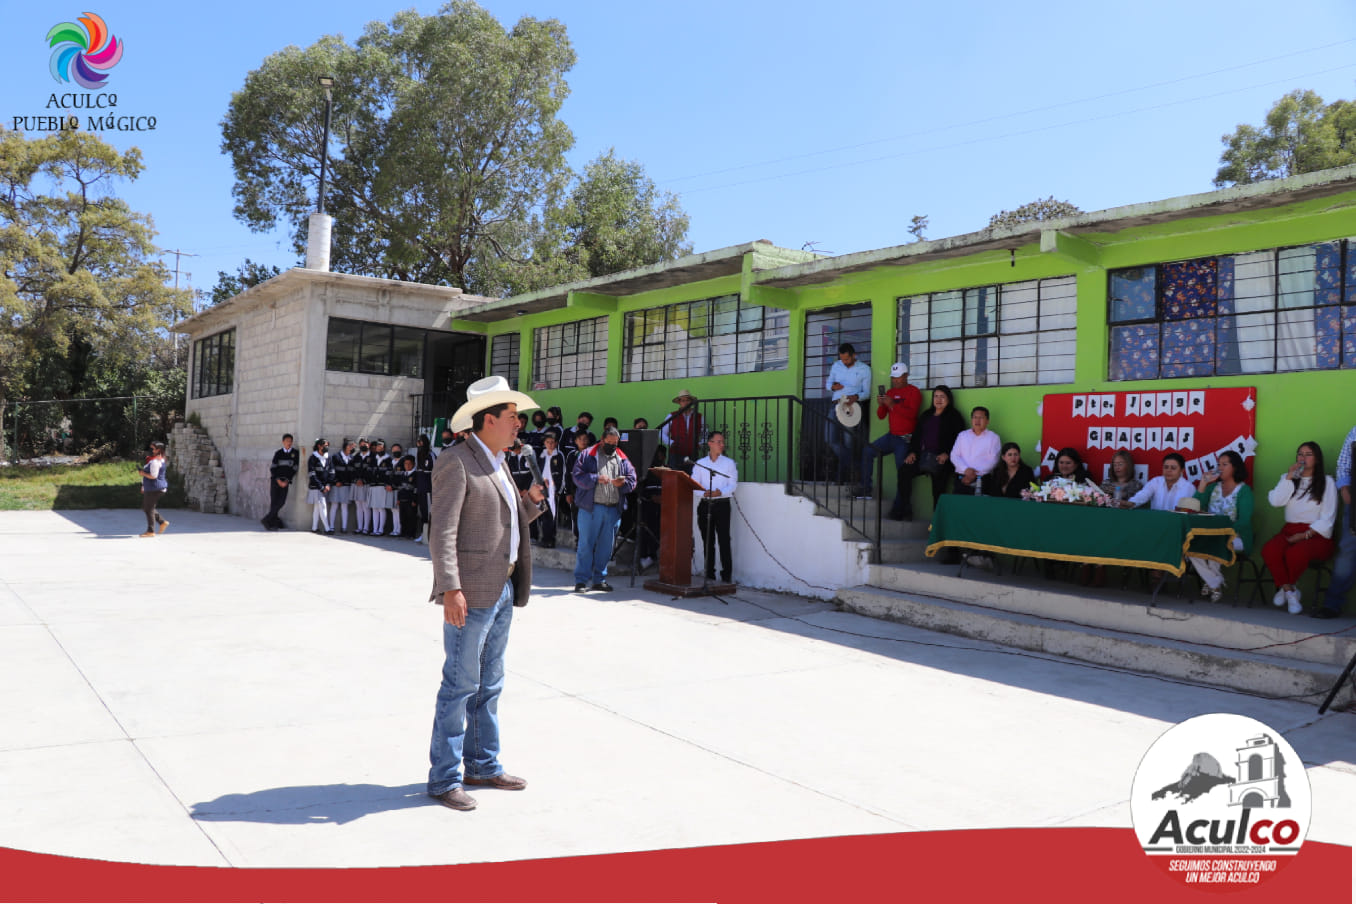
x=1141, y=538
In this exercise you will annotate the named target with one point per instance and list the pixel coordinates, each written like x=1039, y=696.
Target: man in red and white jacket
x=900, y=403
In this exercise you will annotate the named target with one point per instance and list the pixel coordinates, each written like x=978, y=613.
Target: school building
x=1252, y=286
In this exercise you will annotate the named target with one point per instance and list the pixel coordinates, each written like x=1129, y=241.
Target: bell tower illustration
x=1261, y=775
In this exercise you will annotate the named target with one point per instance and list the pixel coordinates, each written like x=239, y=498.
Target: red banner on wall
x=1198, y=424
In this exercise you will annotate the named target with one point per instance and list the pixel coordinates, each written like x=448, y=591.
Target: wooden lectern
x=675, y=539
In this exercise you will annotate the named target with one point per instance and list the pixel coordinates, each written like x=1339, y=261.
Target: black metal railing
x=800, y=444
x=427, y=407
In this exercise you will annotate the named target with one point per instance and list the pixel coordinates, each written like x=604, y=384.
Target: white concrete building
x=314, y=353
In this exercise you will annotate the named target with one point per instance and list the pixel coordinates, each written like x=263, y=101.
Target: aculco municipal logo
x=84, y=52
x=1221, y=802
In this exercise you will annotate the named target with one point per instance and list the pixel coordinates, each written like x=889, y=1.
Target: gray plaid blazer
x=469, y=525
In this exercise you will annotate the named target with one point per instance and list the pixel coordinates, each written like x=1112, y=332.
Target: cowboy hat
x=1189, y=504
x=486, y=393
x=678, y=399
x=849, y=413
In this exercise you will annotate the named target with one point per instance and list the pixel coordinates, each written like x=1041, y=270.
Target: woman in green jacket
x=1230, y=496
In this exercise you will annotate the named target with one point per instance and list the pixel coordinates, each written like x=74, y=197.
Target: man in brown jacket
x=482, y=569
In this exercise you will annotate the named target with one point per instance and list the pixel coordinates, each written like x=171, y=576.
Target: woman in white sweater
x=1309, y=496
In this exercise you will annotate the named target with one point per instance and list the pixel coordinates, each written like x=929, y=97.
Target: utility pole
x=178, y=254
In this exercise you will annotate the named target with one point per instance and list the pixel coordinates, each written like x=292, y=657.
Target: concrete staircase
x=1262, y=650
x=901, y=542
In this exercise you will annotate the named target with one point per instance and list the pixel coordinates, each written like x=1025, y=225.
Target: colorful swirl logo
x=82, y=53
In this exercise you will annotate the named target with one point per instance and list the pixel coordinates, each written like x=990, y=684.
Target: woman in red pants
x=1309, y=496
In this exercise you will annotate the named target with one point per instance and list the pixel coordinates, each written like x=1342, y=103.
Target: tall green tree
x=1300, y=134
x=79, y=291
x=618, y=220
x=613, y=218
x=445, y=141
x=1043, y=209
x=248, y=274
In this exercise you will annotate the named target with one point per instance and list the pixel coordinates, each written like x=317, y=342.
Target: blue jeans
x=842, y=441
x=890, y=442
x=597, y=531
x=1343, y=571
x=466, y=720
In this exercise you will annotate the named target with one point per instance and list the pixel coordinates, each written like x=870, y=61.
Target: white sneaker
x=419, y=539
x=1292, y=598
x=1217, y=593
x=1279, y=599
x=979, y=560
x=646, y=562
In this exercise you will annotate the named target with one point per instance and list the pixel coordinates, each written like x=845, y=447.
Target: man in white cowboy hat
x=683, y=431
x=482, y=569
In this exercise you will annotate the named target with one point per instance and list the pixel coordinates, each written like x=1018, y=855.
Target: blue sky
x=796, y=122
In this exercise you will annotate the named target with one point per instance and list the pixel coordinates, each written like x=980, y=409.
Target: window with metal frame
x=359, y=346
x=702, y=338
x=1012, y=334
x=570, y=354
x=1271, y=311
x=504, y=353
x=214, y=365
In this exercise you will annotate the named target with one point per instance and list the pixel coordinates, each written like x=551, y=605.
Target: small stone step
x=1253, y=671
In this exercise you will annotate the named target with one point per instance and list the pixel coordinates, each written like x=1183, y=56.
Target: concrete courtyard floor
x=224, y=696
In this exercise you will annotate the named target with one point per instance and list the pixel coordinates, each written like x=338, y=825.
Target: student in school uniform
x=397, y=453
x=362, y=481
x=580, y=441
x=320, y=481
x=342, y=494
x=423, y=482
x=407, y=499
x=282, y=471
x=518, y=466
x=379, y=490
x=552, y=464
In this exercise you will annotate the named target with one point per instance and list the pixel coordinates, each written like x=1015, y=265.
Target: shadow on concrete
x=311, y=804
x=1164, y=698
x=118, y=524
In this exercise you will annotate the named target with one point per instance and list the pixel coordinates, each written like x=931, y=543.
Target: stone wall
x=192, y=455
x=369, y=406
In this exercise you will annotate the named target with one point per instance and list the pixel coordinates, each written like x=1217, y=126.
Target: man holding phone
x=900, y=403
x=603, y=477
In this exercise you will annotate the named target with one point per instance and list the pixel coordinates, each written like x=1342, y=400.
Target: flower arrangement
x=1069, y=492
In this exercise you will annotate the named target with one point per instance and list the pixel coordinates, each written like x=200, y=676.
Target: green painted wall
x=1315, y=406
x=1294, y=407
x=650, y=399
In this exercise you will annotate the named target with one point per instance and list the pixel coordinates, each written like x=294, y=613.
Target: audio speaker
x=639, y=446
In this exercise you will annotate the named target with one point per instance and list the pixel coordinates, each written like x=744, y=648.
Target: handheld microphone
x=535, y=467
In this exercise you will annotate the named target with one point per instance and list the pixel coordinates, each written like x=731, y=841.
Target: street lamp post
x=326, y=82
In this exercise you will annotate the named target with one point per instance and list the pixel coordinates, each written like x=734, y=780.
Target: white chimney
x=318, y=242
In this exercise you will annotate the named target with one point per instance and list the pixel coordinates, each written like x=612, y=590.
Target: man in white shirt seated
x=719, y=477
x=975, y=452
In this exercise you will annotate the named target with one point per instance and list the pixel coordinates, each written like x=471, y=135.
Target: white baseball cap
x=899, y=369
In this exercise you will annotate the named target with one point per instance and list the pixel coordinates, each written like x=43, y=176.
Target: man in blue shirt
x=848, y=379
x=1344, y=563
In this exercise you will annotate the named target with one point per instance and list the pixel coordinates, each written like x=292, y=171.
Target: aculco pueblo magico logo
x=83, y=52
